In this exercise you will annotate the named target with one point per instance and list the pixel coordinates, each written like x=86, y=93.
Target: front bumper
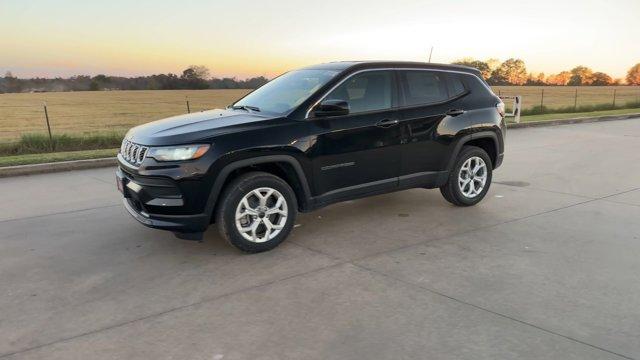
x=158, y=203
x=176, y=223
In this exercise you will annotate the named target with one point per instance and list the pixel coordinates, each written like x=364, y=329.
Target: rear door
x=427, y=98
x=359, y=153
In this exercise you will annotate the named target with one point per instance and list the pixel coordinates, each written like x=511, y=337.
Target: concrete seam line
x=428, y=241
x=424, y=288
x=620, y=203
x=533, y=188
x=578, y=120
x=32, y=169
x=351, y=262
x=486, y=227
x=339, y=263
x=59, y=213
x=168, y=311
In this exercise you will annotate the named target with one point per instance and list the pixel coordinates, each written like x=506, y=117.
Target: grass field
x=56, y=157
x=89, y=112
x=547, y=117
x=565, y=96
x=117, y=111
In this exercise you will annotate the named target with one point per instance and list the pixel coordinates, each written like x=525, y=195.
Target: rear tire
x=470, y=178
x=257, y=211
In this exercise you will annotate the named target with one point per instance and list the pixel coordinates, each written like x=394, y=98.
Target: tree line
x=509, y=72
x=194, y=77
x=514, y=72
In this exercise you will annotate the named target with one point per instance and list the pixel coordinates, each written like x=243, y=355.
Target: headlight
x=177, y=153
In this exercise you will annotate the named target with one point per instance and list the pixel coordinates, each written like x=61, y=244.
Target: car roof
x=358, y=65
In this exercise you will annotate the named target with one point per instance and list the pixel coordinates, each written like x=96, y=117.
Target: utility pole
x=430, y=53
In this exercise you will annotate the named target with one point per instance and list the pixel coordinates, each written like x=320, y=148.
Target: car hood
x=189, y=128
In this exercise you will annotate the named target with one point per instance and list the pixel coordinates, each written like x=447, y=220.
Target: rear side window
x=423, y=87
x=367, y=91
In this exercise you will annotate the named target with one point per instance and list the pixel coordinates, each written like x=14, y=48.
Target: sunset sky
x=246, y=38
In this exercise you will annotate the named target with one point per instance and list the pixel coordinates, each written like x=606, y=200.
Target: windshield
x=285, y=92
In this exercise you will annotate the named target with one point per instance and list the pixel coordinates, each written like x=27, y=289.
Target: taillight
x=501, y=109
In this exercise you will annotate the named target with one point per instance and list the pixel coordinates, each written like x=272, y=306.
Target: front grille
x=133, y=153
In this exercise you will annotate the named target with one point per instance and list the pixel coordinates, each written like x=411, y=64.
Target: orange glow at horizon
x=248, y=38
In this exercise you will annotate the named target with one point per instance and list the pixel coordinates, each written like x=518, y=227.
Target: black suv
x=309, y=138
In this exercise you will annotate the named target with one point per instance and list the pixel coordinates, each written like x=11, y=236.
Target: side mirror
x=331, y=108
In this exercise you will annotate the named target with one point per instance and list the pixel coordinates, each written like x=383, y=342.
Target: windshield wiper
x=245, y=107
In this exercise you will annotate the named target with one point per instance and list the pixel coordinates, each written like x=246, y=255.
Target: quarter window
x=367, y=91
x=457, y=87
x=424, y=87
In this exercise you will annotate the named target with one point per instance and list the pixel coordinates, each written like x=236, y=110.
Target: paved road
x=547, y=267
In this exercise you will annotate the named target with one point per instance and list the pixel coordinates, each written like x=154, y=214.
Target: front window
x=367, y=91
x=287, y=91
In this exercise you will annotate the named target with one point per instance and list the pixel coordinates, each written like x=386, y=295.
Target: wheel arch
x=486, y=140
x=283, y=166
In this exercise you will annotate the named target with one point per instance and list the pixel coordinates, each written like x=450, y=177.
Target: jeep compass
x=309, y=138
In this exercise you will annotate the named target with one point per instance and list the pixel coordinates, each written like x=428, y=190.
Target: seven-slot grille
x=133, y=153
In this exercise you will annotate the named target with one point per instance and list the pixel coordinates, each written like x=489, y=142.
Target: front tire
x=470, y=178
x=257, y=211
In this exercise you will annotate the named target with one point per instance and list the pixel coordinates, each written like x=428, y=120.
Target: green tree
x=510, y=72
x=11, y=83
x=195, y=77
x=633, y=75
x=480, y=65
x=601, y=79
x=493, y=64
x=99, y=82
x=194, y=72
x=559, y=79
x=581, y=75
x=536, y=80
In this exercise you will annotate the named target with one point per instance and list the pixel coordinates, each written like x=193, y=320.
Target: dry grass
x=564, y=96
x=546, y=117
x=117, y=111
x=90, y=112
x=56, y=157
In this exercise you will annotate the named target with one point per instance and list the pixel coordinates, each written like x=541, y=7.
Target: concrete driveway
x=546, y=267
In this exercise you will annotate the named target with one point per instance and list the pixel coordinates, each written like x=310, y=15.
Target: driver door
x=359, y=153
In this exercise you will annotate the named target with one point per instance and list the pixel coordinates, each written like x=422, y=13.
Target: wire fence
x=82, y=118
x=94, y=112
x=102, y=111
x=551, y=99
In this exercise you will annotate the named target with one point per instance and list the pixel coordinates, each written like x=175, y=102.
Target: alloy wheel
x=261, y=214
x=472, y=177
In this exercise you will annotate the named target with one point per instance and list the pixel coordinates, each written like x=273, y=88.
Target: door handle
x=455, y=112
x=387, y=123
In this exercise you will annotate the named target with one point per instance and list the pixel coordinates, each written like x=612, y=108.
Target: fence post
x=46, y=116
x=614, y=98
x=575, y=101
x=188, y=108
x=542, y=101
